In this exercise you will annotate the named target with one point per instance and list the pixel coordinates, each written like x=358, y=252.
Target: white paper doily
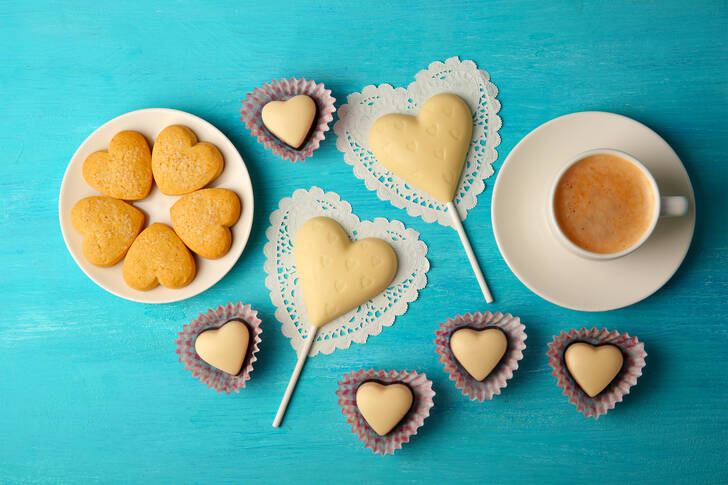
x=453, y=76
x=369, y=318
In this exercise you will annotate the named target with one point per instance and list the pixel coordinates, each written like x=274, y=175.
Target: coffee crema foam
x=604, y=203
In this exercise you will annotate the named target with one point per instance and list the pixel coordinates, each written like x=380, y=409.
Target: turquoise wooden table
x=91, y=389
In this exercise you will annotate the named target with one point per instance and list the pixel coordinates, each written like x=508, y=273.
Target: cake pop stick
x=429, y=151
x=469, y=251
x=302, y=356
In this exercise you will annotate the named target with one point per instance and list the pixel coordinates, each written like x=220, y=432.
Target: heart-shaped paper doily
x=368, y=319
x=361, y=110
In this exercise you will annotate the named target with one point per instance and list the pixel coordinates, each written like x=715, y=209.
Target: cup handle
x=673, y=205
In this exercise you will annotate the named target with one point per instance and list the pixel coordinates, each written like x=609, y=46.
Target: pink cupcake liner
x=281, y=91
x=215, y=378
x=497, y=379
x=634, y=355
x=421, y=389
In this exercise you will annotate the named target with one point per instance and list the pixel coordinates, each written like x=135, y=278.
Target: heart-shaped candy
x=429, y=150
x=224, y=348
x=158, y=256
x=383, y=406
x=182, y=165
x=124, y=171
x=202, y=220
x=478, y=351
x=337, y=275
x=593, y=367
x=291, y=120
x=109, y=227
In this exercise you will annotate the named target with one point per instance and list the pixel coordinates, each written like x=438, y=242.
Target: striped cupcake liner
x=281, y=91
x=215, y=378
x=495, y=381
x=421, y=389
x=633, y=352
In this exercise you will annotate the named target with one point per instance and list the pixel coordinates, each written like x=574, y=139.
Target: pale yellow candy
x=383, y=406
x=427, y=151
x=478, y=351
x=593, y=367
x=337, y=275
x=291, y=120
x=224, y=348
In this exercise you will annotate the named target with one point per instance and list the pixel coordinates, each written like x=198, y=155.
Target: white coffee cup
x=670, y=206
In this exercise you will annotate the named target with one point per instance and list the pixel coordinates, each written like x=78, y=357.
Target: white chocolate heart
x=291, y=120
x=383, y=406
x=427, y=151
x=224, y=348
x=337, y=275
x=478, y=351
x=593, y=367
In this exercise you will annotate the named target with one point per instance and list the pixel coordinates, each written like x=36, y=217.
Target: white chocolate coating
x=427, y=151
x=383, y=406
x=478, y=351
x=337, y=275
x=593, y=367
x=291, y=120
x=224, y=348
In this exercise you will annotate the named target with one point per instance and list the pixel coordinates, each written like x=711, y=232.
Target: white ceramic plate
x=520, y=198
x=156, y=206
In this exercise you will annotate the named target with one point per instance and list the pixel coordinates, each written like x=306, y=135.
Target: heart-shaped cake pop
x=291, y=120
x=158, y=256
x=203, y=219
x=338, y=275
x=182, y=165
x=224, y=348
x=124, y=171
x=383, y=406
x=478, y=351
x=429, y=150
x=593, y=367
x=109, y=227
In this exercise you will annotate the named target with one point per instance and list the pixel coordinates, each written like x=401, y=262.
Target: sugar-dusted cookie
x=109, y=227
x=180, y=164
x=338, y=275
x=158, y=256
x=124, y=171
x=203, y=219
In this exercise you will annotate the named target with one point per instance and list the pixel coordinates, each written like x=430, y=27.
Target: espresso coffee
x=604, y=204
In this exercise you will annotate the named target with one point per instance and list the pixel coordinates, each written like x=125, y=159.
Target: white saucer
x=520, y=198
x=156, y=206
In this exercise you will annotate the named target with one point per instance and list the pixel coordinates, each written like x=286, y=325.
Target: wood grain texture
x=91, y=387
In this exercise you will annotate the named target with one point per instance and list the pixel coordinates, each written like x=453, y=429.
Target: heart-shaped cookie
x=224, y=348
x=337, y=275
x=429, y=150
x=124, y=171
x=478, y=351
x=383, y=406
x=158, y=256
x=291, y=120
x=182, y=165
x=203, y=219
x=593, y=367
x=109, y=227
